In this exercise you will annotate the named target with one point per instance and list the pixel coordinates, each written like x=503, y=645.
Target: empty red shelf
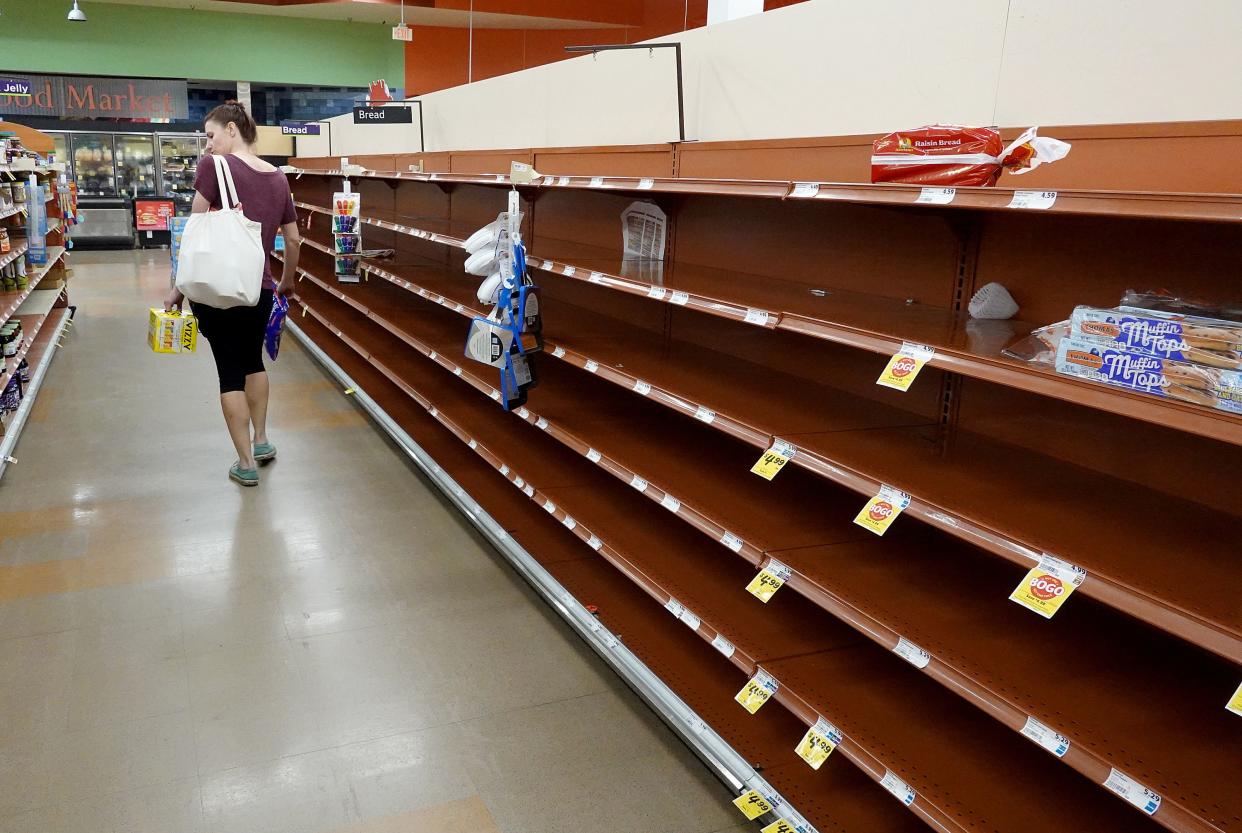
x=706, y=588
x=954, y=477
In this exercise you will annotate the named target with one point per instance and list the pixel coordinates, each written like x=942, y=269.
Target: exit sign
x=403, y=32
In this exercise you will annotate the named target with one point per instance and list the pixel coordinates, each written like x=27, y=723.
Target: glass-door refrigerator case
x=178, y=160
x=93, y=164
x=105, y=213
x=135, y=165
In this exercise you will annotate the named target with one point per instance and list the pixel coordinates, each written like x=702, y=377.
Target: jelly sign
x=18, y=87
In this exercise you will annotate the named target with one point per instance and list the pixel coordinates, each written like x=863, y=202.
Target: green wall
x=147, y=41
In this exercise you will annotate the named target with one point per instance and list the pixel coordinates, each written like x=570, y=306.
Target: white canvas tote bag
x=221, y=259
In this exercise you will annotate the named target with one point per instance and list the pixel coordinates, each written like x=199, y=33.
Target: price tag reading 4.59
x=882, y=510
x=770, y=579
x=905, y=365
x=757, y=691
x=1047, y=585
x=818, y=742
x=774, y=459
x=752, y=805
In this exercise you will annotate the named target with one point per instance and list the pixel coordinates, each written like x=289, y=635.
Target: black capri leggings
x=236, y=338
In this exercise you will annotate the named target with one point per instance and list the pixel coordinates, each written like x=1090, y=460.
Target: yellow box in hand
x=172, y=331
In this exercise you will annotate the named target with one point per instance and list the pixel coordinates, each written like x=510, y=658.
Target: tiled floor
x=177, y=654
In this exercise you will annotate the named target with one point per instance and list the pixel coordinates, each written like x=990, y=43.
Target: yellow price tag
x=774, y=459
x=882, y=510
x=757, y=691
x=770, y=579
x=818, y=742
x=1047, y=585
x=904, y=366
x=780, y=826
x=349, y=391
x=752, y=805
x=1235, y=702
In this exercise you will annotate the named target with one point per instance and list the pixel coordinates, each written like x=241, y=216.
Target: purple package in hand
x=276, y=325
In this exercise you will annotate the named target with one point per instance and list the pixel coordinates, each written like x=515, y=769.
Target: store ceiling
x=417, y=12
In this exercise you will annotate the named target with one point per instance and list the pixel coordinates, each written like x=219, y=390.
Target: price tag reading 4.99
x=818, y=742
x=752, y=805
x=780, y=826
x=757, y=691
x=882, y=510
x=905, y=365
x=1047, y=585
x=774, y=459
x=770, y=579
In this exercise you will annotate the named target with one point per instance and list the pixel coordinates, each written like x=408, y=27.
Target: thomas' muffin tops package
x=1166, y=335
x=1207, y=386
x=1186, y=357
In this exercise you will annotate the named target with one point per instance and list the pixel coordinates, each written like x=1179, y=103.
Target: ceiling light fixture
x=75, y=13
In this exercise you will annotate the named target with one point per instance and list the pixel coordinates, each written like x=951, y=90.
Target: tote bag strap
x=224, y=178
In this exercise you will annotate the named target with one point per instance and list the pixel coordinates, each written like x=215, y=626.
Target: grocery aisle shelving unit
x=769, y=318
x=43, y=312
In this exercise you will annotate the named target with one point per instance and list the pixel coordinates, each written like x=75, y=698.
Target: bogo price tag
x=1033, y=199
x=936, y=196
x=770, y=579
x=1044, y=735
x=774, y=459
x=757, y=691
x=752, y=805
x=904, y=366
x=1133, y=792
x=818, y=742
x=1047, y=585
x=882, y=510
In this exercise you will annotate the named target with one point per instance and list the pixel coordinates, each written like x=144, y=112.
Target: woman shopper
x=236, y=334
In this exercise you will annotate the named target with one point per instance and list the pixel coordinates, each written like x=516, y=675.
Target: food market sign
x=82, y=97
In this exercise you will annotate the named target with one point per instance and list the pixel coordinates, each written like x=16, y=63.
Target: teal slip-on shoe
x=246, y=477
x=263, y=452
